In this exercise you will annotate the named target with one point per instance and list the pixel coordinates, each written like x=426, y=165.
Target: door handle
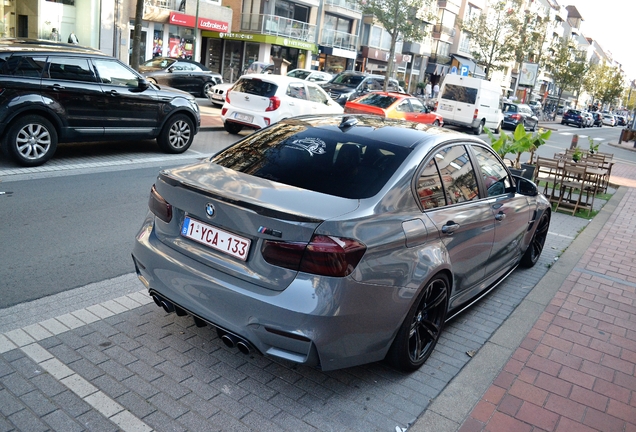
x=114, y=93
x=57, y=87
x=500, y=216
x=450, y=227
x=291, y=104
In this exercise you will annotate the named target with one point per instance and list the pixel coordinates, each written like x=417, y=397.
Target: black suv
x=55, y=92
x=351, y=85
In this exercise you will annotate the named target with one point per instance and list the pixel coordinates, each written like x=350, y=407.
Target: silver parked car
x=338, y=240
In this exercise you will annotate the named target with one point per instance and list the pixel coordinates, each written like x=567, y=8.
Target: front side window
x=417, y=105
x=114, y=73
x=70, y=69
x=494, y=174
x=317, y=95
x=458, y=175
x=297, y=91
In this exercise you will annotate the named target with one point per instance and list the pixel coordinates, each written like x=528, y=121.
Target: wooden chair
x=549, y=172
x=575, y=183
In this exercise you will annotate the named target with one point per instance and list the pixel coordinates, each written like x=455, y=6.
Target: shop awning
x=465, y=61
x=437, y=69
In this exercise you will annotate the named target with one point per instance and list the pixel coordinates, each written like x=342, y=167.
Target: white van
x=470, y=102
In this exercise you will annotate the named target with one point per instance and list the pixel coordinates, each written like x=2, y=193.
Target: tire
x=232, y=128
x=422, y=327
x=534, y=127
x=177, y=134
x=497, y=129
x=31, y=140
x=207, y=86
x=479, y=129
x=436, y=123
x=532, y=254
x=562, y=122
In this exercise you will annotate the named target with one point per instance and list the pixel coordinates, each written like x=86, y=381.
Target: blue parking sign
x=464, y=71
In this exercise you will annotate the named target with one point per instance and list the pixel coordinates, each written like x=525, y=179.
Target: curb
x=448, y=411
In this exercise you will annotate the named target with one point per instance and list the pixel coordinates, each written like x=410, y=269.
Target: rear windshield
x=301, y=74
x=508, y=108
x=348, y=80
x=321, y=160
x=255, y=86
x=460, y=93
x=378, y=100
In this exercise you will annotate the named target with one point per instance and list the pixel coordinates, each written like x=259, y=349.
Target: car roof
x=276, y=79
x=40, y=45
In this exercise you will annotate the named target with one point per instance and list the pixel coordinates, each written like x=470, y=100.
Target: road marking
x=26, y=339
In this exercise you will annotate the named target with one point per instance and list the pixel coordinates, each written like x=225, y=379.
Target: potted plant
x=593, y=145
x=520, y=142
x=577, y=154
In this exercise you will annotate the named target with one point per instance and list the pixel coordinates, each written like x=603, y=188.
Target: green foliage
x=567, y=65
x=520, y=142
x=494, y=35
x=577, y=154
x=403, y=19
x=593, y=144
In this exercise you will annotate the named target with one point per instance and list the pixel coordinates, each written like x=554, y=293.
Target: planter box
x=528, y=171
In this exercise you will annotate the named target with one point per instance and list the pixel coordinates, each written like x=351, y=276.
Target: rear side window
x=23, y=65
x=70, y=69
x=255, y=86
x=460, y=93
x=319, y=160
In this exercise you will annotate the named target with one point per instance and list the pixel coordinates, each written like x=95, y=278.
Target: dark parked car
x=598, y=119
x=621, y=120
x=575, y=117
x=515, y=114
x=65, y=93
x=182, y=74
x=337, y=240
x=351, y=85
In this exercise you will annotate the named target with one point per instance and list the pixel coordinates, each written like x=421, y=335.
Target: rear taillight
x=227, y=96
x=475, y=114
x=274, y=103
x=223, y=111
x=323, y=255
x=516, y=117
x=159, y=206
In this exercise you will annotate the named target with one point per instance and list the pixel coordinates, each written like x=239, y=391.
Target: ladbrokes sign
x=204, y=23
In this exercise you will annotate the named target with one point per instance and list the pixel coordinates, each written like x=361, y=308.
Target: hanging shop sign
x=204, y=23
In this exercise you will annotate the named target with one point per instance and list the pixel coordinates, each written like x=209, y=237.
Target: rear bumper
x=331, y=323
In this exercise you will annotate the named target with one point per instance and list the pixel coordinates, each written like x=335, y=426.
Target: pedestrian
x=72, y=39
x=435, y=90
x=428, y=90
x=54, y=36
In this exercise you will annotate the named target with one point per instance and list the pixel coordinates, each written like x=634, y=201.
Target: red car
x=394, y=105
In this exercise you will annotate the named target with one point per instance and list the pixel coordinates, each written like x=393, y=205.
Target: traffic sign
x=464, y=70
x=454, y=70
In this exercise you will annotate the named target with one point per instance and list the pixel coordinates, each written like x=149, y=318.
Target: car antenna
x=347, y=122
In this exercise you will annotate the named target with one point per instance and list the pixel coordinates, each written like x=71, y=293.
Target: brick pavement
x=575, y=369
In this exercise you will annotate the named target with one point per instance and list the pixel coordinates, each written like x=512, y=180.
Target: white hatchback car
x=315, y=76
x=257, y=101
x=609, y=119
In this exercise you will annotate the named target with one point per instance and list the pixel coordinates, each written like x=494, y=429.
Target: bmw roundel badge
x=209, y=209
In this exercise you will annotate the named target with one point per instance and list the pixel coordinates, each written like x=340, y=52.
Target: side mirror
x=142, y=84
x=526, y=187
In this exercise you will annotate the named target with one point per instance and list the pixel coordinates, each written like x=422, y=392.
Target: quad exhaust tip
x=229, y=340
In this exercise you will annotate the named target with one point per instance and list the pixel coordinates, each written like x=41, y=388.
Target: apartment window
x=471, y=12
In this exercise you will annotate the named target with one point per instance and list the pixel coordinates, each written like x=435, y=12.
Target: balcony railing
x=440, y=29
x=164, y=4
x=344, y=4
x=338, y=39
x=279, y=26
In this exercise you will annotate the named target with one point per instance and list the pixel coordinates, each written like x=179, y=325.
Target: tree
x=494, y=35
x=404, y=19
x=136, y=42
x=612, y=86
x=567, y=65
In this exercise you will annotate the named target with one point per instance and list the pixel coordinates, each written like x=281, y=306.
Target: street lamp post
x=196, y=26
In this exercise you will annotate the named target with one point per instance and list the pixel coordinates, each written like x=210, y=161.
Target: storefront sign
x=261, y=38
x=204, y=23
x=338, y=52
x=377, y=54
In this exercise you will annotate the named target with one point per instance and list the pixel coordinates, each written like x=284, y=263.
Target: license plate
x=217, y=96
x=244, y=117
x=446, y=107
x=216, y=238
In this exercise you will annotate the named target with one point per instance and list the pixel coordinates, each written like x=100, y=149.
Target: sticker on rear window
x=311, y=145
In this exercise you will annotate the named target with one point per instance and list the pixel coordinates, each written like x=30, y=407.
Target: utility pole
x=194, y=38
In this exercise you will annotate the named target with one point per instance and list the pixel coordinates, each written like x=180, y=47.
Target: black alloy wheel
x=532, y=254
x=422, y=326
